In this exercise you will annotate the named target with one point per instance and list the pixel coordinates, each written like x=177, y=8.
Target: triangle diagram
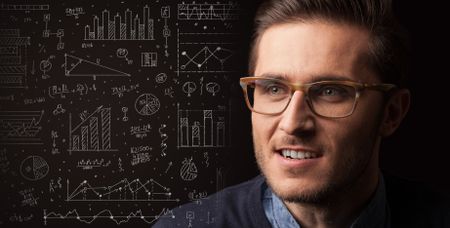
x=75, y=66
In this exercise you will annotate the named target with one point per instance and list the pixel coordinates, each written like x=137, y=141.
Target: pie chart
x=147, y=104
x=34, y=168
x=189, y=87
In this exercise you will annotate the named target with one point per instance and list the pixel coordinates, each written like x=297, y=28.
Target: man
x=328, y=86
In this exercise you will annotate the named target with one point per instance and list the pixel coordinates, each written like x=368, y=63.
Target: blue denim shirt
x=376, y=214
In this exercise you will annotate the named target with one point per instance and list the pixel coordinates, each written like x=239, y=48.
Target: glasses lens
x=332, y=99
x=268, y=96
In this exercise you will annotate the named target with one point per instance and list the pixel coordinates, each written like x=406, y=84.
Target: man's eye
x=274, y=89
x=331, y=91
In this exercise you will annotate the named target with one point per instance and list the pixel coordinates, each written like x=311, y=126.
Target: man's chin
x=301, y=193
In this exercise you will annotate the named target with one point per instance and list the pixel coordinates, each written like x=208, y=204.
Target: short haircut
x=390, y=51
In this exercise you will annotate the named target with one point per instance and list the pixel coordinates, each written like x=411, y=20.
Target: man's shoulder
x=416, y=203
x=236, y=206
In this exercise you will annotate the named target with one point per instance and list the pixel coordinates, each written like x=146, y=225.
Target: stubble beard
x=351, y=171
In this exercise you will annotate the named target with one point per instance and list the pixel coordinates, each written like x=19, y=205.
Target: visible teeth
x=294, y=155
x=301, y=155
x=297, y=154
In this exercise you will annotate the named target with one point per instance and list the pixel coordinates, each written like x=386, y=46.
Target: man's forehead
x=318, y=48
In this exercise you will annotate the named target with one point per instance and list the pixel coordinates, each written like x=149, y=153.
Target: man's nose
x=297, y=117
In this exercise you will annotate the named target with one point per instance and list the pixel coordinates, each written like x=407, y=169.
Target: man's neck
x=343, y=208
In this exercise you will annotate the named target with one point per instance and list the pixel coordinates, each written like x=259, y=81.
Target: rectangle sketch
x=13, y=58
x=23, y=7
x=149, y=59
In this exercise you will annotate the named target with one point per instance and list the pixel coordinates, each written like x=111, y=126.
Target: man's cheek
x=256, y=141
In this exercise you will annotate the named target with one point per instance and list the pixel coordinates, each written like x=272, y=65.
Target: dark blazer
x=410, y=205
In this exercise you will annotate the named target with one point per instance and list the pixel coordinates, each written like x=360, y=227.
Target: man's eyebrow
x=330, y=77
x=311, y=79
x=275, y=76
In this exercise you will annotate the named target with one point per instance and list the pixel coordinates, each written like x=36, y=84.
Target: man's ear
x=394, y=111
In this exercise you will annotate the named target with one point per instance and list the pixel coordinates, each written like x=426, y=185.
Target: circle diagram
x=45, y=65
x=189, y=87
x=213, y=88
x=34, y=168
x=161, y=78
x=147, y=104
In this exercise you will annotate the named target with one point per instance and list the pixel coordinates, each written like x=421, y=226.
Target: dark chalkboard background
x=113, y=112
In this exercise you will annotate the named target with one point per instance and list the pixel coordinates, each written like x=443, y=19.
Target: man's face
x=340, y=151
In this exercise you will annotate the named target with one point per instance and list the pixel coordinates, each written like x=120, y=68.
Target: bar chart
x=93, y=133
x=132, y=28
x=202, y=128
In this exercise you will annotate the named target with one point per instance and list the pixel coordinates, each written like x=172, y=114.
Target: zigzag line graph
x=208, y=11
x=202, y=57
x=123, y=190
x=205, y=52
x=106, y=214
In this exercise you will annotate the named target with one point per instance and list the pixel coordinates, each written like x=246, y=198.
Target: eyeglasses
x=330, y=99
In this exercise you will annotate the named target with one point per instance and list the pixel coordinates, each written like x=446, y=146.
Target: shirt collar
x=276, y=212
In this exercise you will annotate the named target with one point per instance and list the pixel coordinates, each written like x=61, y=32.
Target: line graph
x=202, y=57
x=106, y=214
x=195, y=56
x=208, y=11
x=124, y=190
